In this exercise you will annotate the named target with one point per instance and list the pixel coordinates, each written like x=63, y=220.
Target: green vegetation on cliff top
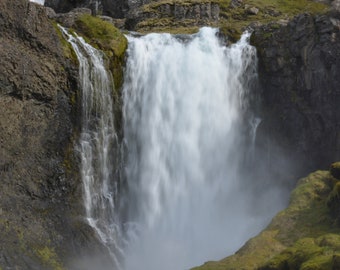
x=303, y=236
x=106, y=37
x=232, y=21
x=103, y=34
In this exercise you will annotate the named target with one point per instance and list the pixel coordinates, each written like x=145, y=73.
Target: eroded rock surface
x=41, y=224
x=299, y=71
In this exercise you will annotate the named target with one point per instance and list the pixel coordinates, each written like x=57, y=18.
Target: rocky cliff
x=41, y=213
x=232, y=16
x=41, y=209
x=298, y=72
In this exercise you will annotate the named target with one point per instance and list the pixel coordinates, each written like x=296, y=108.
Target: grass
x=49, y=258
x=106, y=37
x=103, y=34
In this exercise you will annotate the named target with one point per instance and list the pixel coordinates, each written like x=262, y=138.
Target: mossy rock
x=66, y=46
x=49, y=258
x=304, y=254
x=102, y=33
x=105, y=36
x=335, y=170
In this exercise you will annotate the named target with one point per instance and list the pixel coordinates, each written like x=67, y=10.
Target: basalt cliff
x=42, y=222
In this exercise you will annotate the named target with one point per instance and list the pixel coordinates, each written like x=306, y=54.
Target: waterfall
x=189, y=136
x=187, y=131
x=98, y=147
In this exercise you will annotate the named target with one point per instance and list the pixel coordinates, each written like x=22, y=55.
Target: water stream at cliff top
x=188, y=132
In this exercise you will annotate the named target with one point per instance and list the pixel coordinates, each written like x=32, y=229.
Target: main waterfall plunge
x=184, y=105
x=187, y=193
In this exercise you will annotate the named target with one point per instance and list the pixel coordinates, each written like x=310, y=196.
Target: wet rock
x=336, y=5
x=50, y=12
x=235, y=3
x=298, y=70
x=335, y=170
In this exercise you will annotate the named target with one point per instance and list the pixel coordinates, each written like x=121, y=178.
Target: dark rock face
x=299, y=67
x=113, y=8
x=134, y=10
x=176, y=13
x=335, y=170
x=41, y=225
x=62, y=6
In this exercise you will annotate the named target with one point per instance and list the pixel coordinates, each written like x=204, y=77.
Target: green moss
x=308, y=254
x=293, y=257
x=335, y=194
x=106, y=37
x=321, y=262
x=236, y=19
x=49, y=258
x=329, y=240
x=103, y=34
x=66, y=46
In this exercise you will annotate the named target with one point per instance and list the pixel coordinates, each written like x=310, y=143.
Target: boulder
x=252, y=10
x=235, y=3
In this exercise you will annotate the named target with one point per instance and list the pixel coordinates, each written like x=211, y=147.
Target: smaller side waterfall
x=98, y=146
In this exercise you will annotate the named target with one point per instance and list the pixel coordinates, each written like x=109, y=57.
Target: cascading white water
x=188, y=132
x=98, y=146
x=185, y=105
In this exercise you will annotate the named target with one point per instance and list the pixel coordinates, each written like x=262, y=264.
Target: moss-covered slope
x=303, y=236
x=106, y=37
